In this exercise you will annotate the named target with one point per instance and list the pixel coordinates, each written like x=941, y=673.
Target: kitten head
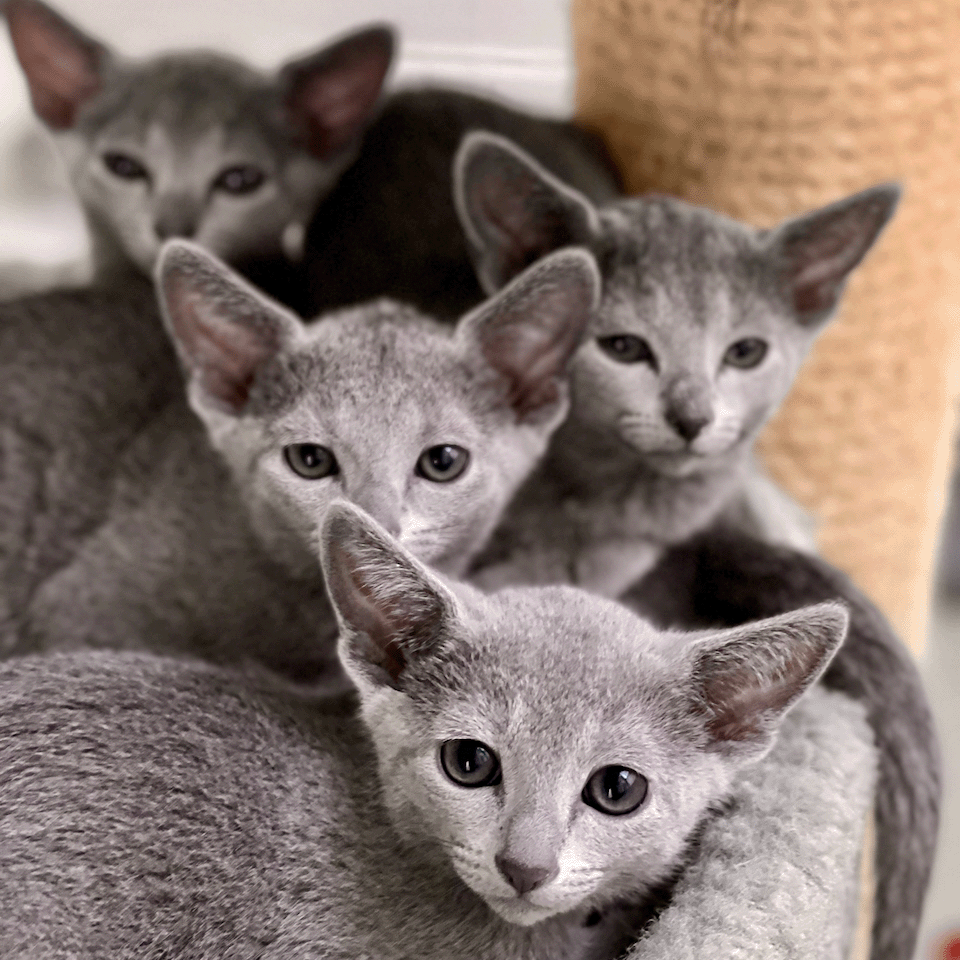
x=430, y=430
x=703, y=321
x=556, y=748
x=194, y=144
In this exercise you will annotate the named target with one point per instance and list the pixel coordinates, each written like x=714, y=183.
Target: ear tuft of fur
x=749, y=677
x=391, y=609
x=530, y=331
x=224, y=330
x=818, y=251
x=512, y=210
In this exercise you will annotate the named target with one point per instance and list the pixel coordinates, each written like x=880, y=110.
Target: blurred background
x=519, y=49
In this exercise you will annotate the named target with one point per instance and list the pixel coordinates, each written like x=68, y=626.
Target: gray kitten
x=702, y=327
x=206, y=544
x=196, y=144
x=522, y=766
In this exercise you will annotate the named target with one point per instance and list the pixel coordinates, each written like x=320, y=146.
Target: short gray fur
x=195, y=812
x=83, y=373
x=723, y=577
x=659, y=439
x=195, y=144
x=198, y=536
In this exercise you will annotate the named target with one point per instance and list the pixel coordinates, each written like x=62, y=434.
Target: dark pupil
x=469, y=763
x=443, y=458
x=621, y=345
x=311, y=456
x=747, y=353
x=472, y=757
x=123, y=166
x=240, y=179
x=616, y=782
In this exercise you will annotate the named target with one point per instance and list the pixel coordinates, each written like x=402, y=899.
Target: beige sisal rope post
x=763, y=109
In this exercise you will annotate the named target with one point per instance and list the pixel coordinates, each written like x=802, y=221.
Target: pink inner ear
x=61, y=69
x=224, y=355
x=336, y=100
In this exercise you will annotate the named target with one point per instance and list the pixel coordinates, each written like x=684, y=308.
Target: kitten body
x=193, y=811
x=82, y=374
x=194, y=144
x=702, y=327
x=206, y=542
x=389, y=226
x=723, y=577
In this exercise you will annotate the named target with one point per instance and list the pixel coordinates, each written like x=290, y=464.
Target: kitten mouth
x=520, y=910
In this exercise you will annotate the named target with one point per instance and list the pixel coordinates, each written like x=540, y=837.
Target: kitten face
x=558, y=750
x=402, y=424
x=191, y=148
x=693, y=348
x=193, y=144
x=430, y=430
x=553, y=738
x=703, y=322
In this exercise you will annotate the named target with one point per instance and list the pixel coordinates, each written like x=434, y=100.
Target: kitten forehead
x=367, y=354
x=553, y=649
x=662, y=246
x=187, y=93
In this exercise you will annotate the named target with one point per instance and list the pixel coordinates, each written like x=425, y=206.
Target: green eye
x=239, y=179
x=311, y=461
x=615, y=790
x=470, y=763
x=442, y=463
x=626, y=348
x=125, y=167
x=745, y=354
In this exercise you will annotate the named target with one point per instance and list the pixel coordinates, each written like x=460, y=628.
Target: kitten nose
x=175, y=216
x=524, y=877
x=687, y=425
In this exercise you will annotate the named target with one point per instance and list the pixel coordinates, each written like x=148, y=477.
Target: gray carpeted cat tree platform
x=761, y=109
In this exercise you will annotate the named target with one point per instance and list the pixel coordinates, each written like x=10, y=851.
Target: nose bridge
x=379, y=494
x=533, y=830
x=177, y=214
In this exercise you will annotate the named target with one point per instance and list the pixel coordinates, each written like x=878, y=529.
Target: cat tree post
x=762, y=109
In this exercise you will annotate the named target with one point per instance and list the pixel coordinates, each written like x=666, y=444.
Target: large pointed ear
x=62, y=66
x=391, y=610
x=331, y=94
x=512, y=210
x=224, y=330
x=529, y=332
x=817, y=252
x=747, y=678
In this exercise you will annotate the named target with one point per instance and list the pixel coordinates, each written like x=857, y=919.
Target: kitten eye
x=240, y=179
x=442, y=463
x=311, y=461
x=120, y=165
x=470, y=763
x=745, y=353
x=615, y=790
x=626, y=348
